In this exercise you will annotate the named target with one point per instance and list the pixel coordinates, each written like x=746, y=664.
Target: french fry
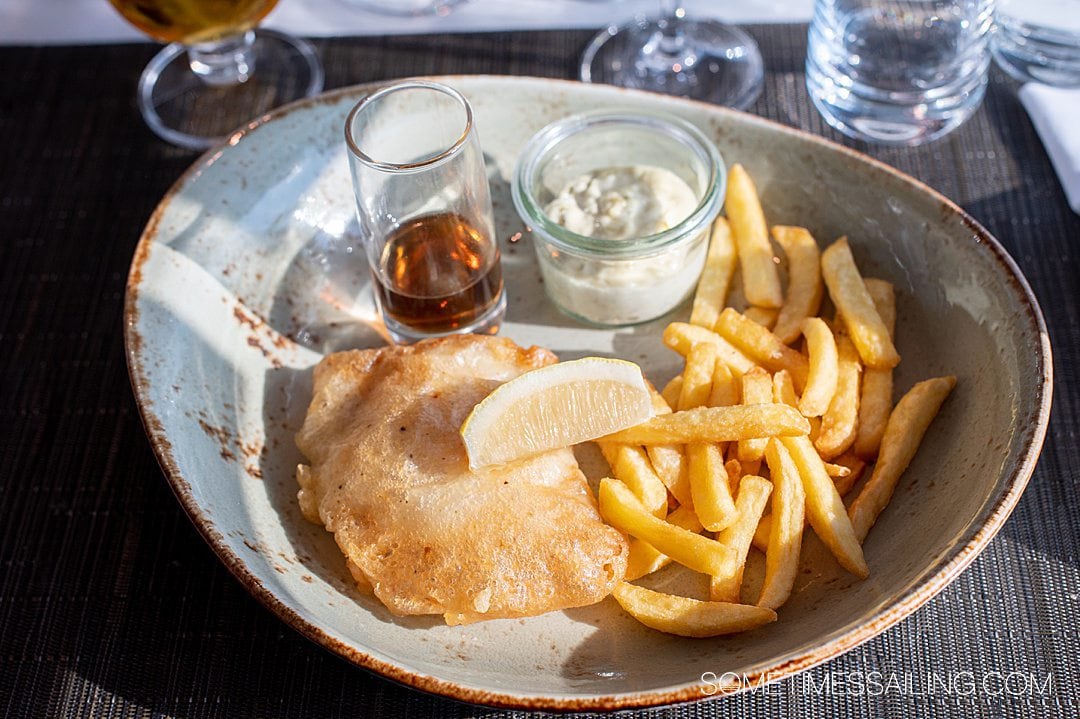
x=709, y=486
x=669, y=463
x=764, y=316
x=725, y=388
x=668, y=460
x=805, y=289
x=784, y=536
x=784, y=389
x=763, y=531
x=855, y=468
x=672, y=390
x=855, y=305
x=736, y=469
x=660, y=404
x=762, y=346
x=822, y=377
x=903, y=433
x=715, y=424
x=622, y=510
x=645, y=559
x=843, y=481
x=753, y=496
x=836, y=470
x=681, y=337
x=840, y=422
x=697, y=376
x=688, y=617
x=756, y=389
x=875, y=403
x=734, y=473
x=631, y=465
x=883, y=295
x=824, y=508
x=761, y=281
x=715, y=280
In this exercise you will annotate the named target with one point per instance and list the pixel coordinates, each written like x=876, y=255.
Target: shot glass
x=898, y=72
x=424, y=210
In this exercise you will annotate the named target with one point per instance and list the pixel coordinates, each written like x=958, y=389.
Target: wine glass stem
x=671, y=8
x=669, y=46
x=229, y=61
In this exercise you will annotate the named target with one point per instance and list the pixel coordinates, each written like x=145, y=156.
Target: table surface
x=110, y=603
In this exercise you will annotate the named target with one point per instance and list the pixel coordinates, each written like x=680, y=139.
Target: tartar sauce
x=623, y=204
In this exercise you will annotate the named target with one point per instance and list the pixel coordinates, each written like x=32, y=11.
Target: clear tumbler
x=898, y=72
x=1039, y=40
x=424, y=209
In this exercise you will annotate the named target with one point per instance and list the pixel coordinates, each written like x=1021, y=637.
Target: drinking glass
x=218, y=71
x=899, y=72
x=670, y=53
x=1038, y=40
x=424, y=209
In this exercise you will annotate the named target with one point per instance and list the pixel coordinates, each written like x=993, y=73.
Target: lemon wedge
x=556, y=406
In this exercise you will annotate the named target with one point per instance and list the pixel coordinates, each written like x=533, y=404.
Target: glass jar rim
x=540, y=144
x=425, y=163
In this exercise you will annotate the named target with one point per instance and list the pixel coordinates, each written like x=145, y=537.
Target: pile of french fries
x=769, y=427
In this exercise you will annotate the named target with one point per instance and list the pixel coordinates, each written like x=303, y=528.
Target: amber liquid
x=438, y=274
x=191, y=21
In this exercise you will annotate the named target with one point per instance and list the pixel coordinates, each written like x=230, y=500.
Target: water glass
x=899, y=72
x=424, y=209
x=1039, y=40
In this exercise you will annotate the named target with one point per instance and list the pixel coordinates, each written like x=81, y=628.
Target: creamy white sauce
x=622, y=204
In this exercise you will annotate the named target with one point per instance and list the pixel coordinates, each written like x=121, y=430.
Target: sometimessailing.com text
x=880, y=683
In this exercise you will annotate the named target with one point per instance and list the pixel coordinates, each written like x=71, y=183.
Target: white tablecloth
x=43, y=22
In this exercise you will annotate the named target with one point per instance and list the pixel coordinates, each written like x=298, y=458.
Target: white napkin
x=1054, y=112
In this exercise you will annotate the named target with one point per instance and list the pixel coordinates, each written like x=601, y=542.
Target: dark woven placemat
x=110, y=603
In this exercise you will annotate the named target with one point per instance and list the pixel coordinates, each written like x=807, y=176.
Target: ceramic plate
x=249, y=270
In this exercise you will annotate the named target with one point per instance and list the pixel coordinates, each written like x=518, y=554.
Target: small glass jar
x=618, y=282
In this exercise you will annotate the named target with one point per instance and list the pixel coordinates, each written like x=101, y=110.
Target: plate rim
x=942, y=572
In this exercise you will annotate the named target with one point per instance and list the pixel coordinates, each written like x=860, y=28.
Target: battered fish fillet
x=389, y=477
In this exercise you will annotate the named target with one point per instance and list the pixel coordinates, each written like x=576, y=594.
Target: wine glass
x=218, y=71
x=696, y=58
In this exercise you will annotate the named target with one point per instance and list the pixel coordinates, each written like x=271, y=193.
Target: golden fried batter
x=389, y=477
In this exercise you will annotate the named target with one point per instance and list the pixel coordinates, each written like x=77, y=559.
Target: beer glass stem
x=229, y=61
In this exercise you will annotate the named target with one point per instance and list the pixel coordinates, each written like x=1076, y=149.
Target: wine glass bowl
x=696, y=58
x=217, y=71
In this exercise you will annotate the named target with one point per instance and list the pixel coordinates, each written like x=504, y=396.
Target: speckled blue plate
x=247, y=273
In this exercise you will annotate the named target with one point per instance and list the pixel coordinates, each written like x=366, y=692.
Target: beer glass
x=424, y=209
x=218, y=71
